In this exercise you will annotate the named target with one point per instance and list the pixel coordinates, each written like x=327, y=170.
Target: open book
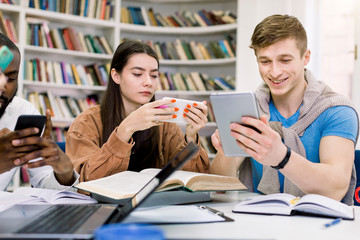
x=126, y=184
x=50, y=196
x=287, y=204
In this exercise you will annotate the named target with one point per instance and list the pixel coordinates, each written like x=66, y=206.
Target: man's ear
x=115, y=76
x=307, y=55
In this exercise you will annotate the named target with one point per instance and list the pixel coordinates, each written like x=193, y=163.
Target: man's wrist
x=282, y=164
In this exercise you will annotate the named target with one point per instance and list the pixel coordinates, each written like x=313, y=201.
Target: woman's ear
x=115, y=76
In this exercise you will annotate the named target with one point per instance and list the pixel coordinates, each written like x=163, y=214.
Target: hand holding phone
x=29, y=121
x=181, y=104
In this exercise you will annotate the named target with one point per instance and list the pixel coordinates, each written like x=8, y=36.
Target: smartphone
x=29, y=121
x=228, y=108
x=6, y=56
x=181, y=104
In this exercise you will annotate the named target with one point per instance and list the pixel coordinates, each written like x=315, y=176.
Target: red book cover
x=67, y=39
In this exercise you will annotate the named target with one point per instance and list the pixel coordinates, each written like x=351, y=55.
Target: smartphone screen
x=29, y=121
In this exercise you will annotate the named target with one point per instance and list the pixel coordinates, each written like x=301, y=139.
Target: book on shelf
x=151, y=17
x=126, y=184
x=6, y=27
x=100, y=9
x=8, y=2
x=141, y=16
x=287, y=204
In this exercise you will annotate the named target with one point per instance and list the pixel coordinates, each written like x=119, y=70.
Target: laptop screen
x=176, y=162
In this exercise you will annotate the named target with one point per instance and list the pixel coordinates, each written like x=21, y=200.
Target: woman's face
x=138, y=79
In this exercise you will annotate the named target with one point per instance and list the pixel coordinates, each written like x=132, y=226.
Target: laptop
x=80, y=221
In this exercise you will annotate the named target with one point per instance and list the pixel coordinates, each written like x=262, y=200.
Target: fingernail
x=176, y=109
x=36, y=130
x=17, y=162
x=174, y=116
x=185, y=110
x=188, y=106
x=195, y=104
x=16, y=142
x=173, y=100
x=184, y=115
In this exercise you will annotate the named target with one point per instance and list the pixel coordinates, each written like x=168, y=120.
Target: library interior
x=203, y=48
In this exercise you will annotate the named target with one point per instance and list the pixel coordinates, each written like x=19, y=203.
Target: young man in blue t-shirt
x=308, y=132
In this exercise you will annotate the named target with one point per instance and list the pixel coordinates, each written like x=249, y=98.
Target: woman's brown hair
x=144, y=152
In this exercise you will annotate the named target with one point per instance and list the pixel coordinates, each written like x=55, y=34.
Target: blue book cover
x=52, y=5
x=36, y=35
x=86, y=8
x=63, y=73
x=204, y=17
x=223, y=48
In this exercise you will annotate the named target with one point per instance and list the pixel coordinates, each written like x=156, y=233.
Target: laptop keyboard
x=60, y=219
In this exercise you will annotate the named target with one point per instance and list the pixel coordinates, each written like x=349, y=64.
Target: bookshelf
x=21, y=13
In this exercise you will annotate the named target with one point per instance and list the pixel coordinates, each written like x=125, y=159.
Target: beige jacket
x=93, y=162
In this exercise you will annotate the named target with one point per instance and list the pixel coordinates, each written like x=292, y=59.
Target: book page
x=184, y=176
x=278, y=203
x=120, y=185
x=195, y=181
x=321, y=205
x=52, y=196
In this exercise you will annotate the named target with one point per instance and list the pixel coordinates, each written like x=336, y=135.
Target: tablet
x=228, y=108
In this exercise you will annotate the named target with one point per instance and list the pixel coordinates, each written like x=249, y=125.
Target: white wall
x=250, y=13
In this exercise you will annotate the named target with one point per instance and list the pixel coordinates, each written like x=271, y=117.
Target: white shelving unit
x=115, y=31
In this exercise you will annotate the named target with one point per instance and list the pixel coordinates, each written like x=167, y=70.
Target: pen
x=214, y=211
x=332, y=223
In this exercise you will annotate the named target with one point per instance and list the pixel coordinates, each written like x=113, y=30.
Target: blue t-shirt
x=336, y=121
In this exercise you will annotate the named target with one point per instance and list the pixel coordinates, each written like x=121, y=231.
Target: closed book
x=169, y=77
x=3, y=26
x=145, y=16
x=198, y=81
x=152, y=18
x=69, y=73
x=173, y=21
x=74, y=39
x=125, y=18
x=56, y=39
x=47, y=35
x=200, y=20
x=67, y=39
x=203, y=14
x=11, y=30
x=76, y=74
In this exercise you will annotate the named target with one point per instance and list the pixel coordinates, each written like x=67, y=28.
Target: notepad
x=178, y=214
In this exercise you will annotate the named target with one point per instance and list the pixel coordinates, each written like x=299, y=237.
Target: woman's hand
x=196, y=116
x=148, y=115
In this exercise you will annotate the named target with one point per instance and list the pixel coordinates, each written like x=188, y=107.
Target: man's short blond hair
x=276, y=28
